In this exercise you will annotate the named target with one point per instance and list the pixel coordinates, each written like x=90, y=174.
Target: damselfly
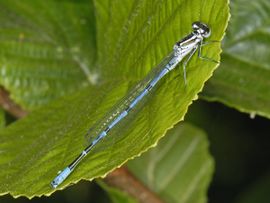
x=184, y=48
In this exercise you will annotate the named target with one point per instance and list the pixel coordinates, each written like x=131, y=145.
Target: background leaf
x=47, y=49
x=240, y=146
x=179, y=169
x=54, y=135
x=242, y=81
x=116, y=195
x=2, y=118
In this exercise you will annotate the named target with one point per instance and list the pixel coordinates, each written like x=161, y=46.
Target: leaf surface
x=242, y=81
x=180, y=168
x=47, y=49
x=2, y=118
x=35, y=148
x=116, y=195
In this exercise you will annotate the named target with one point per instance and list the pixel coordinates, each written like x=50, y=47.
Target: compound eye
x=202, y=28
x=206, y=33
x=195, y=26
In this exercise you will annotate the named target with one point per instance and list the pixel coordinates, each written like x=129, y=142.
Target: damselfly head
x=201, y=28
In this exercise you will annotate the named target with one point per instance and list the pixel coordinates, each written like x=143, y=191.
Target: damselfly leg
x=185, y=63
x=201, y=44
x=199, y=47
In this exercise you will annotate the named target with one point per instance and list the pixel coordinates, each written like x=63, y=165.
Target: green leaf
x=180, y=168
x=116, y=195
x=133, y=36
x=242, y=81
x=35, y=148
x=47, y=49
x=2, y=118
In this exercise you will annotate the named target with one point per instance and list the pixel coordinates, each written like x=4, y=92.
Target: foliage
x=127, y=49
x=71, y=61
x=2, y=118
x=242, y=81
x=116, y=195
x=180, y=168
x=47, y=49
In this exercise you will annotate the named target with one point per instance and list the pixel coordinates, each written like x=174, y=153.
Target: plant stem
x=122, y=179
x=10, y=106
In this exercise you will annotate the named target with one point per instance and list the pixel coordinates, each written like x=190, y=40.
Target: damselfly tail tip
x=60, y=177
x=54, y=184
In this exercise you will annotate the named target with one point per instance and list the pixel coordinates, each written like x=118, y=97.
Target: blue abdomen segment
x=119, y=118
